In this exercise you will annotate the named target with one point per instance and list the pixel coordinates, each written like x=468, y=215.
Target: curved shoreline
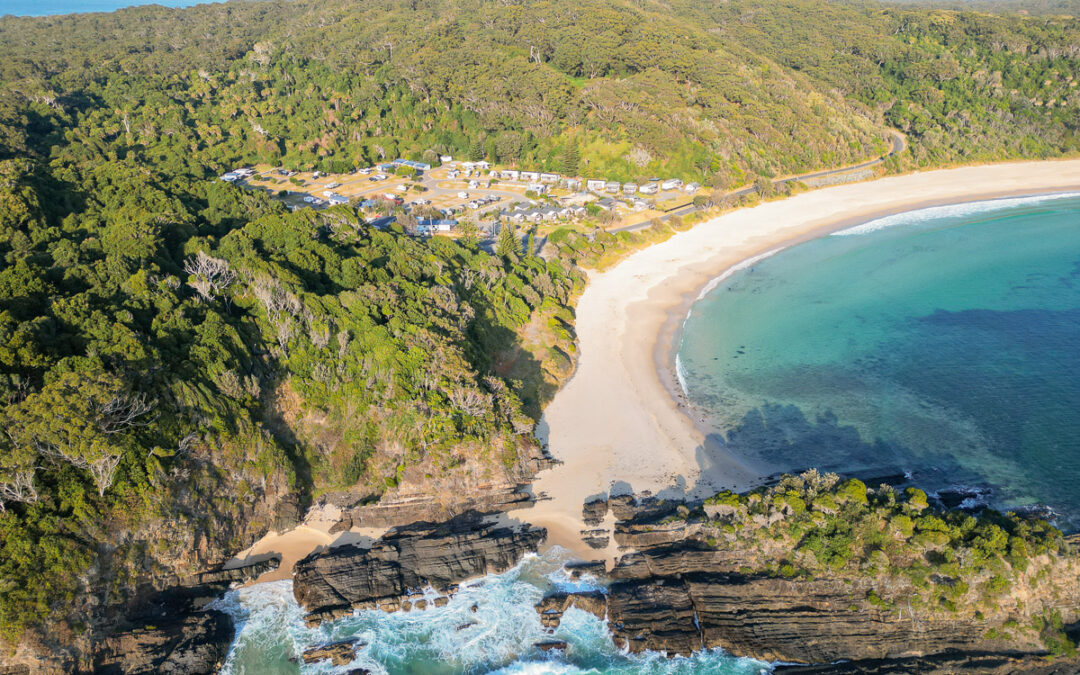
x=621, y=421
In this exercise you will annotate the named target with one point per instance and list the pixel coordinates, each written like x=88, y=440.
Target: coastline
x=622, y=422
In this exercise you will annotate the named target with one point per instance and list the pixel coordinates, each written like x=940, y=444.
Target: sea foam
x=498, y=636
x=948, y=211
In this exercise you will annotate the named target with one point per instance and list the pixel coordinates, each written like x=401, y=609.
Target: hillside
x=185, y=364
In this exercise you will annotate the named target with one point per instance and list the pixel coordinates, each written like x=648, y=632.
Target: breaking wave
x=489, y=626
x=949, y=211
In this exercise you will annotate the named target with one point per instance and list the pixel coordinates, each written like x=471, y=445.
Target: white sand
x=617, y=423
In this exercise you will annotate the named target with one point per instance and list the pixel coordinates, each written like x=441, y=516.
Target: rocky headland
x=816, y=570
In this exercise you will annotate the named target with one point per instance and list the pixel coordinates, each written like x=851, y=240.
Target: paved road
x=899, y=144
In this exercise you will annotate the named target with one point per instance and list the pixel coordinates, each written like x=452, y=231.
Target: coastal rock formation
x=334, y=582
x=817, y=570
x=771, y=619
x=172, y=632
x=189, y=644
x=339, y=653
x=943, y=664
x=597, y=539
x=594, y=511
x=552, y=607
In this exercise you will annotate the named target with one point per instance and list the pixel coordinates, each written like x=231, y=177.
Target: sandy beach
x=619, y=423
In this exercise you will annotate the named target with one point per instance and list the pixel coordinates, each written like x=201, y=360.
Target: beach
x=620, y=423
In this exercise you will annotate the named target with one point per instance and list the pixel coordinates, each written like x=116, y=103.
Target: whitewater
x=489, y=626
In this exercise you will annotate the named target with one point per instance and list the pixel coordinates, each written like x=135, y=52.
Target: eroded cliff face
x=392, y=572
x=690, y=583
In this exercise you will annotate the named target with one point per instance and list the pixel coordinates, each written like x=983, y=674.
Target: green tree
x=470, y=233
x=508, y=246
x=476, y=150
x=569, y=160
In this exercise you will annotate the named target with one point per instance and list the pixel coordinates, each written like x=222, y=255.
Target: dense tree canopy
x=179, y=355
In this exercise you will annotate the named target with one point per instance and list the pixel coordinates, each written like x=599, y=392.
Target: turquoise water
x=943, y=344
x=48, y=7
x=497, y=638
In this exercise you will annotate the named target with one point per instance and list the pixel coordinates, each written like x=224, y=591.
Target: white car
x=364, y=172
x=463, y=195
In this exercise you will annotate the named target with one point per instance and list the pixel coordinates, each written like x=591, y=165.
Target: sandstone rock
x=549, y=645
x=409, y=559
x=943, y=664
x=594, y=511
x=596, y=568
x=597, y=539
x=552, y=607
x=190, y=644
x=339, y=653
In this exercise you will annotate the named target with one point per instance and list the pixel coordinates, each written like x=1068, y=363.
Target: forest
x=180, y=356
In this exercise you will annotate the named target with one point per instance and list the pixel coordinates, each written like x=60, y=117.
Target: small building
x=509, y=174
x=530, y=176
x=382, y=223
x=649, y=189
x=387, y=167
x=229, y=177
x=337, y=199
x=483, y=165
x=572, y=184
x=538, y=188
x=473, y=184
x=629, y=188
x=605, y=204
x=453, y=173
x=671, y=184
x=438, y=224
x=419, y=166
x=612, y=187
x=245, y=172
x=595, y=185
x=549, y=178
x=692, y=187
x=445, y=159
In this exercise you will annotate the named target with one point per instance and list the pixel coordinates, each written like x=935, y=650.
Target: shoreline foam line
x=623, y=420
x=948, y=211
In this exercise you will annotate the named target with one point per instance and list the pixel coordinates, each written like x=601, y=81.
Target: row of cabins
x=526, y=214
x=536, y=178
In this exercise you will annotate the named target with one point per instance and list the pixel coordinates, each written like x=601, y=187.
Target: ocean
x=498, y=637
x=939, y=348
x=51, y=7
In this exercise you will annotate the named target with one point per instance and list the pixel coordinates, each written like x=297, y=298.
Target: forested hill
x=718, y=92
x=182, y=361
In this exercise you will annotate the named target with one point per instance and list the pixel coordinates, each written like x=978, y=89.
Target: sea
x=489, y=626
x=51, y=7
x=938, y=348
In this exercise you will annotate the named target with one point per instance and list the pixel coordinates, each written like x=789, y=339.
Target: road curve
x=899, y=144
